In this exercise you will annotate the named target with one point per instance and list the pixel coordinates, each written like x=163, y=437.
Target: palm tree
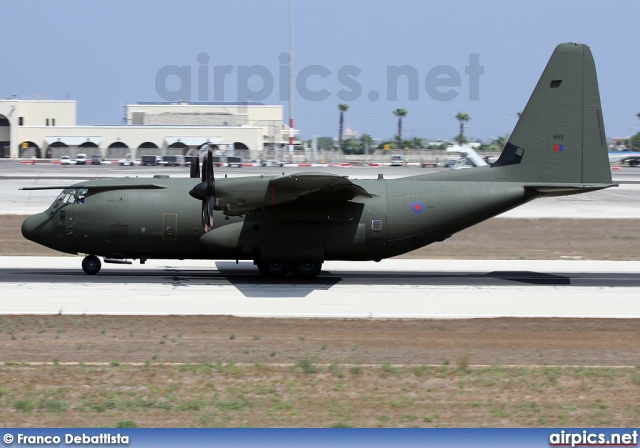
x=417, y=143
x=399, y=113
x=367, y=142
x=462, y=117
x=343, y=108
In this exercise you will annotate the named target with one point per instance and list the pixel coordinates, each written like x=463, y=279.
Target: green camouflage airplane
x=293, y=223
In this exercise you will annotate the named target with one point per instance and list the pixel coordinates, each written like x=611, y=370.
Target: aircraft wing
x=319, y=181
x=104, y=185
x=125, y=184
x=54, y=187
x=237, y=196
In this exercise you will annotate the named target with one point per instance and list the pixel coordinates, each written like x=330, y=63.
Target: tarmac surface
x=390, y=289
x=393, y=288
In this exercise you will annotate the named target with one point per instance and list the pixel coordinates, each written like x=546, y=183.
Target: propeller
x=205, y=191
x=195, y=167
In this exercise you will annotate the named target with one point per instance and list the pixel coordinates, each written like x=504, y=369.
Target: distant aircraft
x=470, y=158
x=630, y=157
x=293, y=223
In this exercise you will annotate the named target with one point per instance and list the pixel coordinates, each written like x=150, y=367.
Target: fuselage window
x=70, y=197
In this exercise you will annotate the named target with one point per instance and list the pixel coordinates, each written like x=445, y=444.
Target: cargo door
x=119, y=240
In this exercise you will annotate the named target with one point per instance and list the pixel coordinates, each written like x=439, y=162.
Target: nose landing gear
x=91, y=264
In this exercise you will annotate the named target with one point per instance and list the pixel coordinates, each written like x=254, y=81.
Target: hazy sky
x=105, y=54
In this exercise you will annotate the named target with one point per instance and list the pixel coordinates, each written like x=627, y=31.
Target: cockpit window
x=71, y=196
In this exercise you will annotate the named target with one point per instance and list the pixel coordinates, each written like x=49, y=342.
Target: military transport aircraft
x=293, y=223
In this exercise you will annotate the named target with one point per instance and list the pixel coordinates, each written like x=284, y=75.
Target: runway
x=389, y=289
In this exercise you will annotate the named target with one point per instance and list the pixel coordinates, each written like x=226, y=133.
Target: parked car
x=272, y=163
x=66, y=160
x=397, y=160
x=173, y=160
x=451, y=162
x=81, y=159
x=127, y=161
x=150, y=160
x=96, y=159
x=234, y=161
x=461, y=164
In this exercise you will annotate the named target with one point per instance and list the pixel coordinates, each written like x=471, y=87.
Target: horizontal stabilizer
x=556, y=189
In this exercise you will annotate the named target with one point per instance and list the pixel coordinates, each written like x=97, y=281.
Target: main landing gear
x=91, y=264
x=304, y=270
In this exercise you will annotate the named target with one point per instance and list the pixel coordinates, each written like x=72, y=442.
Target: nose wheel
x=91, y=264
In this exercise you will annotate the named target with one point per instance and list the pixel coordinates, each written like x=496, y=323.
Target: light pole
x=291, y=92
x=314, y=146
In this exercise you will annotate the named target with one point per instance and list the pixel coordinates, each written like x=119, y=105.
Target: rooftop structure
x=47, y=128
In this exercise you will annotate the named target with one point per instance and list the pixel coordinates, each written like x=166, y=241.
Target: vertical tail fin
x=560, y=136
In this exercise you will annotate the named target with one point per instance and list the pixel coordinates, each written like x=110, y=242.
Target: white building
x=47, y=128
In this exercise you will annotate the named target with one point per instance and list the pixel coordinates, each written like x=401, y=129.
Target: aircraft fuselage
x=400, y=216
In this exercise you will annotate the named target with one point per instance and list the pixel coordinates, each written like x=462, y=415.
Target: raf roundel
x=416, y=207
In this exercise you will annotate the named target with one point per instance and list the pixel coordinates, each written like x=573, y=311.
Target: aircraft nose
x=33, y=226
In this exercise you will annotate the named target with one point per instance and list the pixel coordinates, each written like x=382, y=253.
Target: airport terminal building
x=48, y=129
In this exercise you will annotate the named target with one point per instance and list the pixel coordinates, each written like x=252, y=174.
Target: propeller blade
x=209, y=176
x=205, y=162
x=194, y=171
x=205, y=191
x=207, y=213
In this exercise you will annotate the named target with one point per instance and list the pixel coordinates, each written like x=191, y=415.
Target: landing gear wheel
x=274, y=269
x=91, y=264
x=306, y=270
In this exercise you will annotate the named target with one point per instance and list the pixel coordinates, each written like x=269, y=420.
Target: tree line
x=360, y=145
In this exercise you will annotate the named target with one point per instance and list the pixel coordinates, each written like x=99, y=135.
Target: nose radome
x=32, y=226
